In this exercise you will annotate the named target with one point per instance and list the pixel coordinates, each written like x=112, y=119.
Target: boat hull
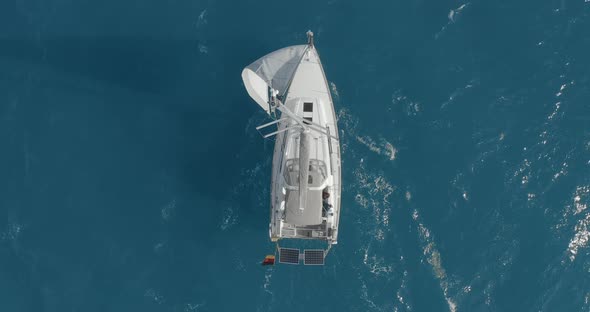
x=308, y=96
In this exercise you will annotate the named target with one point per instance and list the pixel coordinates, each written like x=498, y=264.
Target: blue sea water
x=132, y=177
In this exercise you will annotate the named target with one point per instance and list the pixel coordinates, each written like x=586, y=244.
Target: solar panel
x=289, y=255
x=313, y=257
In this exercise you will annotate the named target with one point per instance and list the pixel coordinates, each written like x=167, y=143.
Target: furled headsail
x=272, y=72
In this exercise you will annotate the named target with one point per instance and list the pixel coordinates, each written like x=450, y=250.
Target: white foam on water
x=580, y=238
x=366, y=298
x=347, y=121
x=461, y=187
x=267, y=281
x=240, y=266
x=368, y=142
x=562, y=172
x=229, y=219
x=269, y=299
x=458, y=92
x=523, y=171
x=563, y=87
x=390, y=150
x=159, y=246
x=488, y=293
x=375, y=264
x=560, y=92
x=452, y=16
x=12, y=232
x=374, y=195
x=434, y=259
x=575, y=213
x=382, y=186
x=202, y=19
x=334, y=91
x=361, y=200
x=384, y=148
x=154, y=295
x=408, y=195
x=193, y=307
x=582, y=192
x=399, y=296
x=578, y=204
x=465, y=196
x=374, y=192
x=203, y=49
x=168, y=210
x=411, y=108
x=379, y=146
x=552, y=115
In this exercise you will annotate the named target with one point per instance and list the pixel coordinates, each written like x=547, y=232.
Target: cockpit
x=316, y=178
x=310, y=212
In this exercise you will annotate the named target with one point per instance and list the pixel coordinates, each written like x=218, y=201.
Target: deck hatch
x=313, y=257
x=307, y=107
x=289, y=255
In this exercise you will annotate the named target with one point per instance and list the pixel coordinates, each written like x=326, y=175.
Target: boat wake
x=374, y=195
x=154, y=296
x=12, y=232
x=375, y=264
x=434, y=259
x=373, y=192
x=577, y=211
x=202, y=19
x=458, y=92
x=384, y=148
x=409, y=106
x=335, y=92
x=380, y=147
x=168, y=210
x=193, y=307
x=267, y=293
x=453, y=17
x=581, y=237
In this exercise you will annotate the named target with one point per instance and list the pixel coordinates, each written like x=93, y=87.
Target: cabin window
x=307, y=107
x=306, y=120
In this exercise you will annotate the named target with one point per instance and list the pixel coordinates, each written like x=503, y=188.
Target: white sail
x=274, y=70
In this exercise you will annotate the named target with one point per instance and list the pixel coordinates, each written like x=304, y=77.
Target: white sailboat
x=290, y=85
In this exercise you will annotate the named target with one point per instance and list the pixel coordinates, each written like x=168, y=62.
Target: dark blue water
x=132, y=177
